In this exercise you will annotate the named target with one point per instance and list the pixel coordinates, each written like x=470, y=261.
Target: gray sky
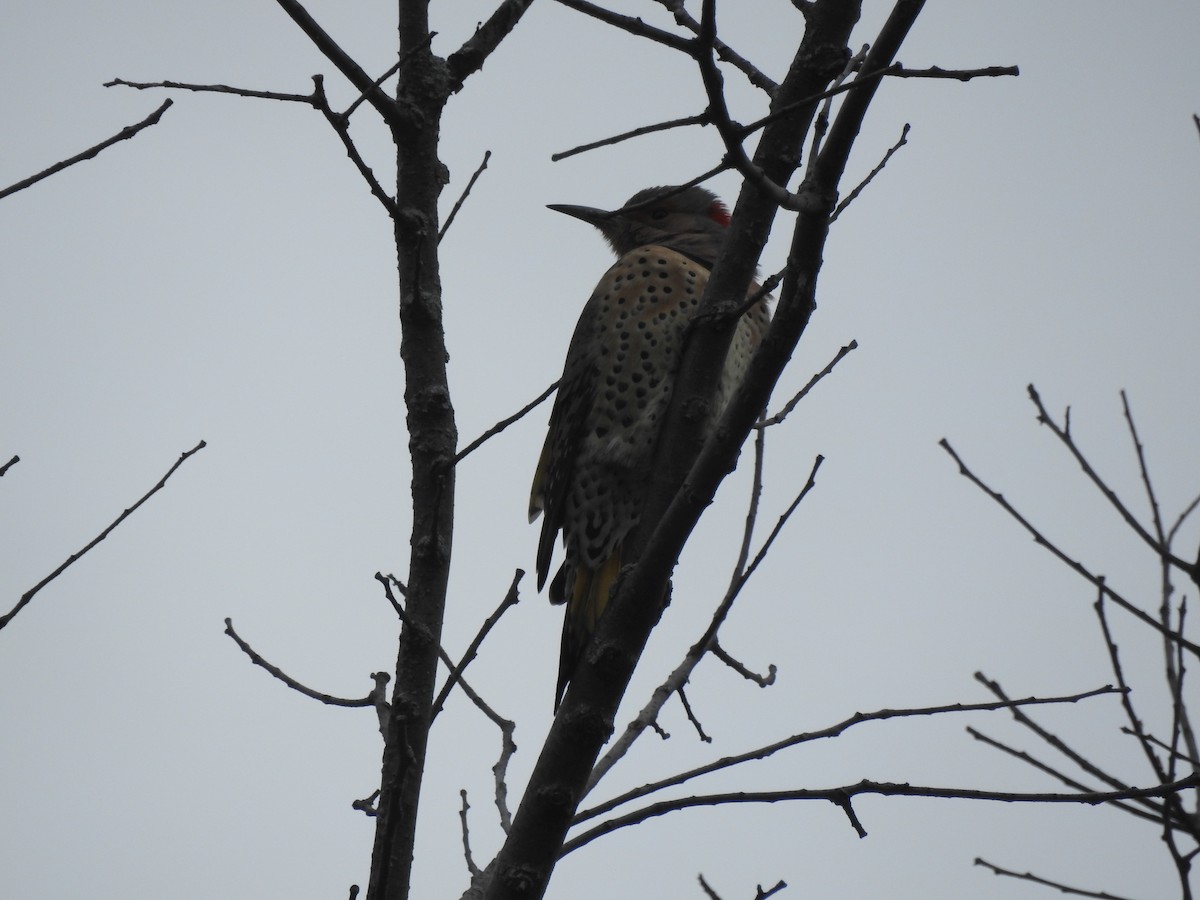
x=227, y=276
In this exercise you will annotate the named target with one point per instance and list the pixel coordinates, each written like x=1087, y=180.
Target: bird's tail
x=586, y=603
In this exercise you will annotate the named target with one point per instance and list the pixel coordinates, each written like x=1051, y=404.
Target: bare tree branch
x=1061, y=888
x=466, y=835
x=822, y=734
x=862, y=185
x=1151, y=813
x=511, y=598
x=1135, y=722
x=1072, y=564
x=1064, y=435
x=821, y=121
x=123, y=135
x=648, y=716
x=391, y=70
x=372, y=699
x=724, y=51
x=281, y=96
x=470, y=57
x=631, y=25
x=804, y=391
x=702, y=119
x=487, y=154
x=8, y=465
x=761, y=680
x=318, y=100
x=680, y=675
x=842, y=797
x=355, y=74
x=731, y=133
x=1058, y=743
x=75, y=557
x=341, y=127
x=863, y=78
x=504, y=423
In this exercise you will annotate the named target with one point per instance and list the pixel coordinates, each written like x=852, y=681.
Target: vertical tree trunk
x=420, y=177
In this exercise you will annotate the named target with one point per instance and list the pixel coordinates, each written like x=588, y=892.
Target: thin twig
x=842, y=796
x=630, y=24
x=726, y=53
x=1183, y=517
x=756, y=490
x=778, y=529
x=455, y=672
x=211, y=89
x=648, y=716
x=345, y=63
x=821, y=121
x=74, y=557
x=1063, y=434
x=392, y=70
x=487, y=154
x=466, y=834
x=687, y=121
x=825, y=733
x=381, y=678
x=317, y=100
x=1192, y=761
x=511, y=598
x=1153, y=814
x=862, y=185
x=1140, y=451
x=691, y=716
x=506, y=726
x=1072, y=564
x=803, y=392
x=341, y=127
x=504, y=423
x=732, y=134
x=1172, y=659
x=896, y=69
x=123, y=135
x=761, y=680
x=1126, y=703
x=8, y=465
x=1053, y=740
x=508, y=749
x=1061, y=888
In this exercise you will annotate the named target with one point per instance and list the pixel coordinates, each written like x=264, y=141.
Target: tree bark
x=421, y=95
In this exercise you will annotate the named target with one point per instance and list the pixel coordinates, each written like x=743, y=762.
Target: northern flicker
x=595, y=467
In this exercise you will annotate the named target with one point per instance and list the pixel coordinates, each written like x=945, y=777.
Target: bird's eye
x=658, y=214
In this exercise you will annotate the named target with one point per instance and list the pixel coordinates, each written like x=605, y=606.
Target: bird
x=596, y=463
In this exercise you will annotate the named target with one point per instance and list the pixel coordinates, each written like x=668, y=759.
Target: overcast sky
x=227, y=276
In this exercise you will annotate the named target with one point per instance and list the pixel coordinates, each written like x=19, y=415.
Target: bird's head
x=691, y=221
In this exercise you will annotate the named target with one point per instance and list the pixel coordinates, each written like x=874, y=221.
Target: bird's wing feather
x=568, y=422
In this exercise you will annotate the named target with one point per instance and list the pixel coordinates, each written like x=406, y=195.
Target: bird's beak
x=589, y=214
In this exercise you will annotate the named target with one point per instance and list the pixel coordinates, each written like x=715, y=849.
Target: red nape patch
x=719, y=212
